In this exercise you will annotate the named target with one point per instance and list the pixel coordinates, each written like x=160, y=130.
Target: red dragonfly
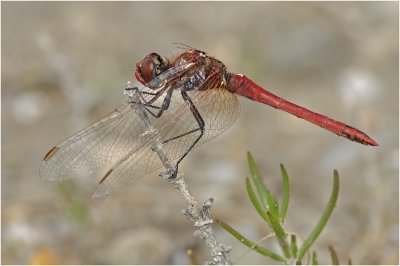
x=190, y=100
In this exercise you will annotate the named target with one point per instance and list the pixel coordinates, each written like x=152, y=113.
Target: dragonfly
x=189, y=100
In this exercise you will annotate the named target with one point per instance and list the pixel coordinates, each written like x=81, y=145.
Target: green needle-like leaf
x=324, y=218
x=262, y=250
x=268, y=202
x=261, y=189
x=280, y=234
x=285, y=199
x=293, y=246
x=255, y=202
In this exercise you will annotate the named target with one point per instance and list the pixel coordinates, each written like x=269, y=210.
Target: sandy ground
x=64, y=66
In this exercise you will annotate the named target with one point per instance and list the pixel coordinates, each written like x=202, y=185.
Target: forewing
x=96, y=147
x=219, y=108
x=119, y=150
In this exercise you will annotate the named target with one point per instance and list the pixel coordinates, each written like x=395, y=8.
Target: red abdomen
x=241, y=85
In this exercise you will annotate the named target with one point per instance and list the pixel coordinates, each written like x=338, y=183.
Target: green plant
x=73, y=205
x=274, y=215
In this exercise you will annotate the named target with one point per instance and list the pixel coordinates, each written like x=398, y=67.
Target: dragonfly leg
x=145, y=103
x=199, y=121
x=164, y=106
x=148, y=103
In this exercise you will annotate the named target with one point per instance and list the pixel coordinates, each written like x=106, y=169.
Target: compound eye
x=151, y=66
x=146, y=68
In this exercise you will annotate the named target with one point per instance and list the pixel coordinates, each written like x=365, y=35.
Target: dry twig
x=200, y=216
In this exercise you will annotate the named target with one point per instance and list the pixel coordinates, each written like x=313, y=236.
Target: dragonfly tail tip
x=371, y=142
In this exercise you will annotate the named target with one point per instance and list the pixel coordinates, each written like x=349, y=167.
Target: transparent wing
x=96, y=147
x=219, y=109
x=117, y=148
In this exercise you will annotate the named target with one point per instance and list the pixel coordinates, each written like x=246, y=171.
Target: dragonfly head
x=150, y=67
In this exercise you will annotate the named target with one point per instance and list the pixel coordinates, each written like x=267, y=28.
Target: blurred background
x=64, y=66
